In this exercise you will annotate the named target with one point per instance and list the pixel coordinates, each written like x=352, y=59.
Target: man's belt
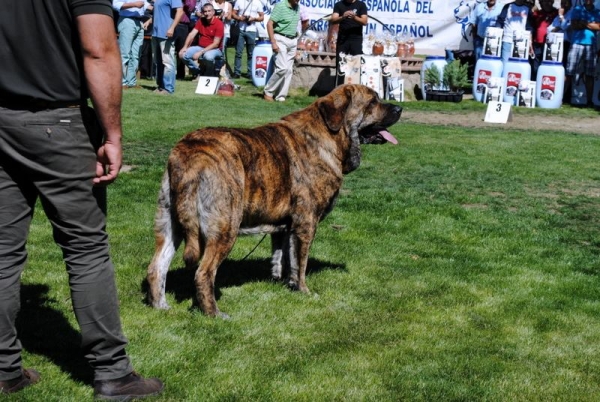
x=288, y=36
x=134, y=17
x=37, y=104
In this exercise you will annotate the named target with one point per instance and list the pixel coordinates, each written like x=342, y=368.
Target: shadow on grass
x=180, y=281
x=46, y=331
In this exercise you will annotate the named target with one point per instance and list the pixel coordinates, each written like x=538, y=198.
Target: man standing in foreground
x=55, y=148
x=283, y=34
x=352, y=16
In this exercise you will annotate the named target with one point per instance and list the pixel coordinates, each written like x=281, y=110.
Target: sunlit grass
x=460, y=265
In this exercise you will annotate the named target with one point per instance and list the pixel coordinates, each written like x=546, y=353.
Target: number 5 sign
x=498, y=112
x=207, y=85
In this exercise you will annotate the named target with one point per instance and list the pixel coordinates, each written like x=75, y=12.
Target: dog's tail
x=166, y=227
x=168, y=238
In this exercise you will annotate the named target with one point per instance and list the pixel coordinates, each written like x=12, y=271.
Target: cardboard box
x=492, y=43
x=494, y=90
x=394, y=89
x=554, y=46
x=370, y=73
x=526, y=94
x=520, y=45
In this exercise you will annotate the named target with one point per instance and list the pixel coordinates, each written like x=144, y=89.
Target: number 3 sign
x=207, y=85
x=498, y=112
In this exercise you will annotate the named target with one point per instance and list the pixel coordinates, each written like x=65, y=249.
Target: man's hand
x=109, y=159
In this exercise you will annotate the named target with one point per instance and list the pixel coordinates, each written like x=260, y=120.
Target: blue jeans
x=131, y=37
x=249, y=39
x=193, y=65
x=163, y=51
x=506, y=52
x=477, y=47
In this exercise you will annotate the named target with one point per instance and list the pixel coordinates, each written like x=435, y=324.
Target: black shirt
x=40, y=48
x=348, y=27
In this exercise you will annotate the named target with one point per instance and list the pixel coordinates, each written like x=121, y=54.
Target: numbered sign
x=498, y=112
x=207, y=85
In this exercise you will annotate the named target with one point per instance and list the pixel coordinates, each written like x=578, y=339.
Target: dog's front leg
x=299, y=247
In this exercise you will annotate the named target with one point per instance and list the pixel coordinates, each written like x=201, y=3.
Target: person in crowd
x=248, y=13
x=223, y=10
x=542, y=19
x=515, y=16
x=585, y=22
x=351, y=15
x=562, y=23
x=167, y=14
x=210, y=30
x=131, y=25
x=55, y=148
x=283, y=34
x=181, y=32
x=484, y=15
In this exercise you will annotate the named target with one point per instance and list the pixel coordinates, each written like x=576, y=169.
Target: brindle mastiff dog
x=281, y=178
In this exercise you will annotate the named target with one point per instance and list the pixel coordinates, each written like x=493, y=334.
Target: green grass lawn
x=461, y=265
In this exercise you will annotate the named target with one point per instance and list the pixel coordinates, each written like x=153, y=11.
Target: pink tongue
x=388, y=137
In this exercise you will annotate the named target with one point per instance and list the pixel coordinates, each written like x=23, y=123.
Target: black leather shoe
x=132, y=386
x=28, y=377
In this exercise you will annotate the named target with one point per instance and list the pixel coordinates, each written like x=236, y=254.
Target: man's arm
x=271, y=33
x=176, y=19
x=102, y=70
x=188, y=41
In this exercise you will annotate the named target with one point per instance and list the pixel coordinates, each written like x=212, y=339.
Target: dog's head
x=356, y=111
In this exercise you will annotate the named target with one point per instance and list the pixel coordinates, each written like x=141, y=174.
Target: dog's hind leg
x=215, y=252
x=168, y=238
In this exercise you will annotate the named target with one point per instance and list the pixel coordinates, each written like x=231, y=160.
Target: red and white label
x=549, y=82
x=484, y=76
x=260, y=62
x=513, y=79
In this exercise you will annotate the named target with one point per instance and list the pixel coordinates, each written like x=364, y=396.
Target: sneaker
x=129, y=387
x=268, y=98
x=28, y=377
x=236, y=75
x=161, y=91
x=280, y=99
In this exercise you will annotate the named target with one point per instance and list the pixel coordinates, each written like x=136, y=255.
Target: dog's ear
x=332, y=108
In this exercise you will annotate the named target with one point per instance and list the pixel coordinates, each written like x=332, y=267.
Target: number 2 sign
x=207, y=85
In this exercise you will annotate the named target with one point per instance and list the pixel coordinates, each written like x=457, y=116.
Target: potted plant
x=454, y=79
x=432, y=79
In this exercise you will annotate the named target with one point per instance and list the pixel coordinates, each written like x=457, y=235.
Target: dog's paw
x=223, y=316
x=161, y=305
